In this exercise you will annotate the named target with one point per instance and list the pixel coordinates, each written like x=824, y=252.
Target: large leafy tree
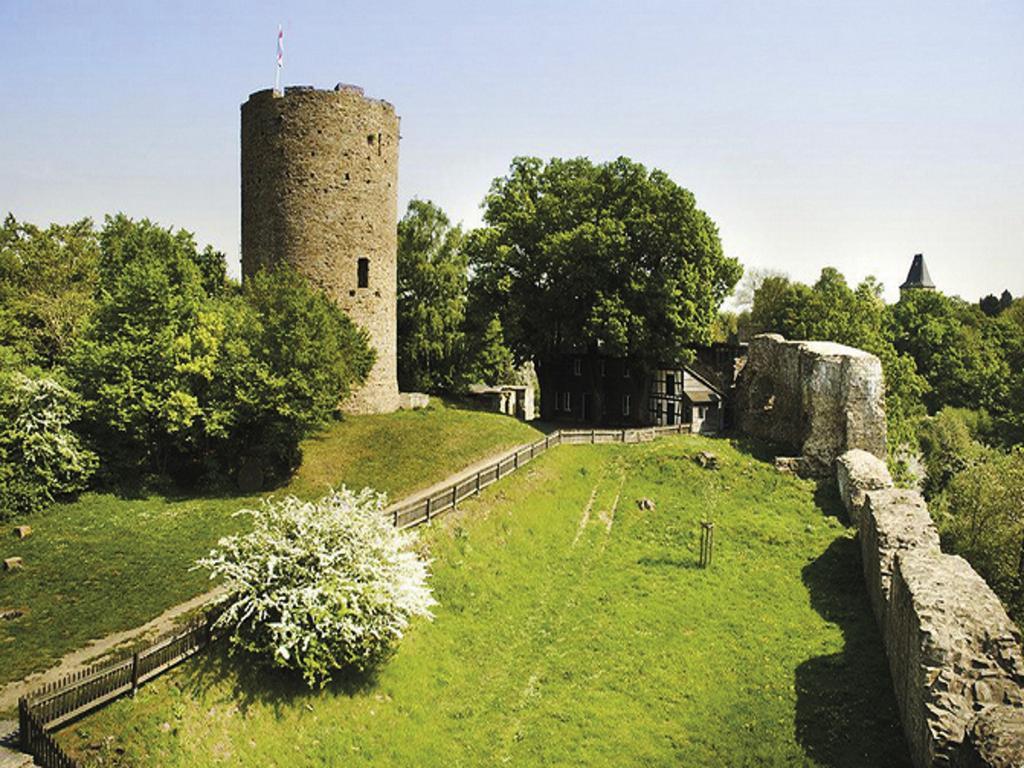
x=611, y=257
x=182, y=374
x=47, y=281
x=962, y=353
x=432, y=280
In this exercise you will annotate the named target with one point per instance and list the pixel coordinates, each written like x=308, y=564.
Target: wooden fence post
x=593, y=436
x=455, y=491
x=546, y=438
x=515, y=460
x=478, y=481
x=135, y=673
x=707, y=542
x=23, y=724
x=429, y=499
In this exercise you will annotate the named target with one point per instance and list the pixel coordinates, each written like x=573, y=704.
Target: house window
x=567, y=401
x=670, y=384
x=363, y=273
x=577, y=367
x=625, y=405
x=702, y=411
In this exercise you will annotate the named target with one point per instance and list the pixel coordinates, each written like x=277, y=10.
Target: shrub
x=320, y=586
x=981, y=517
x=41, y=458
x=947, y=446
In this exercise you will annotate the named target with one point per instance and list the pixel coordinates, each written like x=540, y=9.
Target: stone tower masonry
x=319, y=191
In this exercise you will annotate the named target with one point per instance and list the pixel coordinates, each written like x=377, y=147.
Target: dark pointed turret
x=918, y=276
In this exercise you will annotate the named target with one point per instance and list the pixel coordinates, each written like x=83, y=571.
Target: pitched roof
x=918, y=276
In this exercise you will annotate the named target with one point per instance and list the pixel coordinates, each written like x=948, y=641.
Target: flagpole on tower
x=280, y=60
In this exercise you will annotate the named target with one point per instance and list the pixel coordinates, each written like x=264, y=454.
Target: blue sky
x=815, y=133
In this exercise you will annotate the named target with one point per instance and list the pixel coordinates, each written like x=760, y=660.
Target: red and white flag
x=280, y=47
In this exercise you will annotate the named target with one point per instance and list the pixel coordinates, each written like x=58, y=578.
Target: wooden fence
x=424, y=509
x=81, y=692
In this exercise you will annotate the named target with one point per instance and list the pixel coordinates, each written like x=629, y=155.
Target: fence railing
x=424, y=509
x=81, y=692
x=58, y=703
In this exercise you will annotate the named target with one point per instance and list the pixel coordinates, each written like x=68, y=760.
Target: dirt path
x=95, y=650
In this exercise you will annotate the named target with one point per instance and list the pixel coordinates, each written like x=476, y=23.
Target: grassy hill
x=104, y=563
x=576, y=629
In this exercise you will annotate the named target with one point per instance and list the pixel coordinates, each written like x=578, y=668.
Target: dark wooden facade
x=598, y=390
x=595, y=390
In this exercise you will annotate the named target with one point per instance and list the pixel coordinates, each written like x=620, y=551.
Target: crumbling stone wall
x=954, y=655
x=818, y=398
x=858, y=472
x=320, y=192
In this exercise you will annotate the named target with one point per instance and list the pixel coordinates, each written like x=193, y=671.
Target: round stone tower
x=320, y=192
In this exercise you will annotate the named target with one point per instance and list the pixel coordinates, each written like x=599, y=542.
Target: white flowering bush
x=319, y=586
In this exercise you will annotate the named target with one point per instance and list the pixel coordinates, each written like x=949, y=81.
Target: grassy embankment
x=574, y=630
x=104, y=563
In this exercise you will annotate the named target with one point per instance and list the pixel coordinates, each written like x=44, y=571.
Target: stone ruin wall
x=817, y=398
x=320, y=191
x=954, y=654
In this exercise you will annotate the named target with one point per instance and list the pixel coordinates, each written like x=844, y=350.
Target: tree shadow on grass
x=846, y=714
x=243, y=680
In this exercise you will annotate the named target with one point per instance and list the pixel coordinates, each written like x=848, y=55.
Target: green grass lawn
x=104, y=563
x=567, y=639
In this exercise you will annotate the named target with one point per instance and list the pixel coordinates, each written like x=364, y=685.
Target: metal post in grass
x=707, y=542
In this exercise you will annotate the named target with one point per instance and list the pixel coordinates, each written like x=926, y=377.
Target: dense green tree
x=948, y=447
x=981, y=517
x=488, y=358
x=291, y=356
x=184, y=377
x=47, y=282
x=41, y=458
x=610, y=256
x=432, y=296
x=990, y=305
x=958, y=350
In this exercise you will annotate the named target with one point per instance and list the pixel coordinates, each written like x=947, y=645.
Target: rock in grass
x=23, y=531
x=707, y=459
x=645, y=504
x=13, y=564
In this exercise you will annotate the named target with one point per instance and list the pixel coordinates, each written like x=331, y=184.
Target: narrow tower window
x=363, y=273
